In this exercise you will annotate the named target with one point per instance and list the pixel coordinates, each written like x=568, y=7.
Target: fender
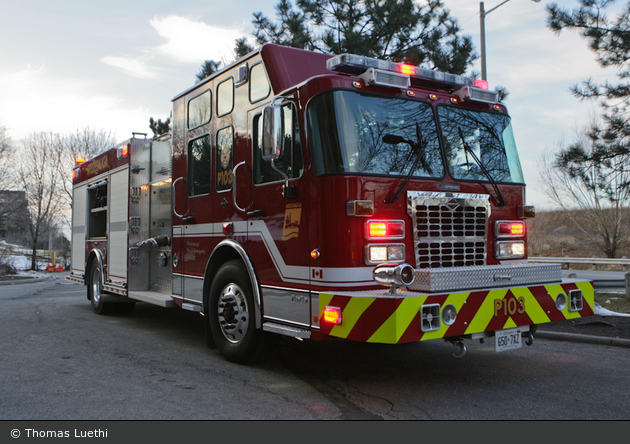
x=230, y=249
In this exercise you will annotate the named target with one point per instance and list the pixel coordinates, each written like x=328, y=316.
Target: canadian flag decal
x=318, y=274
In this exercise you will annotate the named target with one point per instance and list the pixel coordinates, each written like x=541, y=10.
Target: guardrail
x=595, y=262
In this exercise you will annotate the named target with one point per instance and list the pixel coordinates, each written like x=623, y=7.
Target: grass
x=616, y=302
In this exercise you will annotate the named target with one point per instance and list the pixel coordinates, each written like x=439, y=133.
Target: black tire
x=231, y=313
x=95, y=290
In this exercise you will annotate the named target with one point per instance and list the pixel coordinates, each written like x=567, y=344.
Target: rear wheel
x=95, y=290
x=231, y=311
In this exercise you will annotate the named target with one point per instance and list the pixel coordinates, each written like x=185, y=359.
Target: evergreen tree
x=158, y=127
x=597, y=166
x=208, y=68
x=399, y=30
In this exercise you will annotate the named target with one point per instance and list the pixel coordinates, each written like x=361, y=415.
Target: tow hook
x=462, y=348
x=529, y=338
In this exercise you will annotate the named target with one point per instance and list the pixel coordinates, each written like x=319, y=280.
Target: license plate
x=509, y=339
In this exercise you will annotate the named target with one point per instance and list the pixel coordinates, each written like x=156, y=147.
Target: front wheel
x=231, y=313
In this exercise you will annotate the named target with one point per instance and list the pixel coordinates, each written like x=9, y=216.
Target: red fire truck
x=315, y=196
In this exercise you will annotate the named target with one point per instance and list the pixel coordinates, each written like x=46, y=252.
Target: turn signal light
x=386, y=229
x=509, y=229
x=332, y=315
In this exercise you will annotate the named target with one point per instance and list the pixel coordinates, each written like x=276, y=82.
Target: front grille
x=450, y=229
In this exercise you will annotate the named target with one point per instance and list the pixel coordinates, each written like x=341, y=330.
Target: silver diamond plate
x=486, y=276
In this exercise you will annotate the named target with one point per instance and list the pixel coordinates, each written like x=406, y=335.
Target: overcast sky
x=113, y=64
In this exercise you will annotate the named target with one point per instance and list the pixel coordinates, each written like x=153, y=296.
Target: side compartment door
x=118, y=212
x=79, y=233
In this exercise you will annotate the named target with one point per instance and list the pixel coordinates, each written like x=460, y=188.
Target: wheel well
x=219, y=257
x=222, y=254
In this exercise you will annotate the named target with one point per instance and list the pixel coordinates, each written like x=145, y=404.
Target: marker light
x=359, y=208
x=332, y=315
x=80, y=160
x=123, y=151
x=509, y=229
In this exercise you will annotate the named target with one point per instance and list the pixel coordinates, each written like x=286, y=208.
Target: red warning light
x=483, y=84
x=332, y=315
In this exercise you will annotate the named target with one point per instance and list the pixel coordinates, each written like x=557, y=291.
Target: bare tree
x=36, y=165
x=5, y=147
x=594, y=193
x=84, y=143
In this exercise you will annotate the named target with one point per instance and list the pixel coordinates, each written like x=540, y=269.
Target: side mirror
x=273, y=133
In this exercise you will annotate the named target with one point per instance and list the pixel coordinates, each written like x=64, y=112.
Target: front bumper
x=409, y=316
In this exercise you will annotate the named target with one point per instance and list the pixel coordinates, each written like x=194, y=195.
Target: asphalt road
x=60, y=361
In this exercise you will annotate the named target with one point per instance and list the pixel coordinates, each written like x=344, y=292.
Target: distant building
x=14, y=216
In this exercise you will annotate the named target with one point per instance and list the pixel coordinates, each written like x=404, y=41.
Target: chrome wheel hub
x=233, y=313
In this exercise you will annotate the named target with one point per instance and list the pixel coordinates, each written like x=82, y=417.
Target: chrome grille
x=450, y=229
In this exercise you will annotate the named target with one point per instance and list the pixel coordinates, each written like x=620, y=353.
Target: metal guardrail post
x=628, y=286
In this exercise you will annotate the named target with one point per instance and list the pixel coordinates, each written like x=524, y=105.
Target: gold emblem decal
x=292, y=215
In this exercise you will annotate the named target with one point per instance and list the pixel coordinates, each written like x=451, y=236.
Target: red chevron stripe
x=467, y=313
x=373, y=317
x=547, y=303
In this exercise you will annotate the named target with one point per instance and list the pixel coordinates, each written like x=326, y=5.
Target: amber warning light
x=510, y=229
x=332, y=315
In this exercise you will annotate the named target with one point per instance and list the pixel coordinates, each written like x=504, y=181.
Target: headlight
x=376, y=254
x=509, y=250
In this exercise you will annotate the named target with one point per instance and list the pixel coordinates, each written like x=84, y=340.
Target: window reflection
x=258, y=85
x=199, y=110
x=225, y=97
x=199, y=166
x=489, y=136
x=225, y=159
x=356, y=133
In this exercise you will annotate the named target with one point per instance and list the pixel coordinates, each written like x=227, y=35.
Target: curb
x=30, y=280
x=587, y=339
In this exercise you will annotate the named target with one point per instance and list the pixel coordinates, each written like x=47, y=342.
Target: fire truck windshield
x=357, y=133
x=489, y=136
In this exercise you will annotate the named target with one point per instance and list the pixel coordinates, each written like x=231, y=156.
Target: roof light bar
x=477, y=95
x=354, y=64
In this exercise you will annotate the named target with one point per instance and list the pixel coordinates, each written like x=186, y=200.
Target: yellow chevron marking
x=324, y=299
x=533, y=308
x=486, y=311
x=509, y=323
x=588, y=293
x=351, y=314
x=455, y=299
x=394, y=327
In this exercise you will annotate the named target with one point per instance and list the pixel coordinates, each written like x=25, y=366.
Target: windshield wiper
x=419, y=147
x=467, y=149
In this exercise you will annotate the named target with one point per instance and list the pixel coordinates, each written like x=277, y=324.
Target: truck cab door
x=278, y=232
